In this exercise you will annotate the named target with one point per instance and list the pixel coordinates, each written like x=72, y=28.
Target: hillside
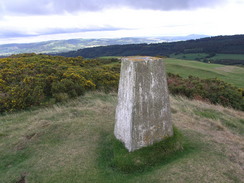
x=209, y=46
x=65, y=143
x=219, y=58
x=56, y=46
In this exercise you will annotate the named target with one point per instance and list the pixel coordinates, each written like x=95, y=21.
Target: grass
x=189, y=56
x=230, y=74
x=196, y=56
x=208, y=113
x=234, y=124
x=73, y=142
x=145, y=158
x=228, y=56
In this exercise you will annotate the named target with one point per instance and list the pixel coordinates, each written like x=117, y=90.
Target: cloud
x=11, y=33
x=52, y=31
x=111, y=18
x=71, y=6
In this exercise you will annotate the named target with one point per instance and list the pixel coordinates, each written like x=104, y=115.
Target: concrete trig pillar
x=143, y=112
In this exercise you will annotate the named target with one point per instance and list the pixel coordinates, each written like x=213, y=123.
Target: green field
x=189, y=56
x=200, y=56
x=230, y=74
x=228, y=56
x=71, y=143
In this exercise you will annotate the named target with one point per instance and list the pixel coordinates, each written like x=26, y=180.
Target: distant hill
x=209, y=45
x=75, y=44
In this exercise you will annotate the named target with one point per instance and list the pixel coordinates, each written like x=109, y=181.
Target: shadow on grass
x=114, y=157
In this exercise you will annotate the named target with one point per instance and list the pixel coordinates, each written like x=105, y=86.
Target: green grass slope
x=230, y=74
x=66, y=143
x=226, y=59
x=199, y=56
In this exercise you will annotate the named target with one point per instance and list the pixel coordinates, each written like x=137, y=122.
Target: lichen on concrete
x=143, y=114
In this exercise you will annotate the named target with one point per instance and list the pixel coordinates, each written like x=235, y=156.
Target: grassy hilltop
x=66, y=143
x=70, y=137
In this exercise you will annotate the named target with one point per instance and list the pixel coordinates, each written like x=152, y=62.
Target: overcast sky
x=38, y=20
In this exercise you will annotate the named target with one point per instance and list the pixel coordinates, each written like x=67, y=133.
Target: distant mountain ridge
x=211, y=45
x=57, y=46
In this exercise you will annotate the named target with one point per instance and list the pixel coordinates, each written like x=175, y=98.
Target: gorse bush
x=31, y=80
x=210, y=90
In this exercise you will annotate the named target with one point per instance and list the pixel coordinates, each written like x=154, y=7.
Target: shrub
x=30, y=80
x=210, y=90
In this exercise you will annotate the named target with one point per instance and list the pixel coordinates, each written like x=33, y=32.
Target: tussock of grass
x=208, y=113
x=234, y=124
x=145, y=158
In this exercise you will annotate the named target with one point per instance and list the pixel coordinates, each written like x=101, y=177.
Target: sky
x=23, y=21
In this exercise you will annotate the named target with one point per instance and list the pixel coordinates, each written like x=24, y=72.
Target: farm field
x=218, y=56
x=230, y=74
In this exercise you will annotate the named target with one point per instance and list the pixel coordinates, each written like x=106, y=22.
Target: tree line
x=210, y=45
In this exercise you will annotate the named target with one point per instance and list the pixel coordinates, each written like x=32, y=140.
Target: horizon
x=35, y=40
x=21, y=21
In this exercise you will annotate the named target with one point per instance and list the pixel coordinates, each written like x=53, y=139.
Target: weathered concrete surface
x=143, y=112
